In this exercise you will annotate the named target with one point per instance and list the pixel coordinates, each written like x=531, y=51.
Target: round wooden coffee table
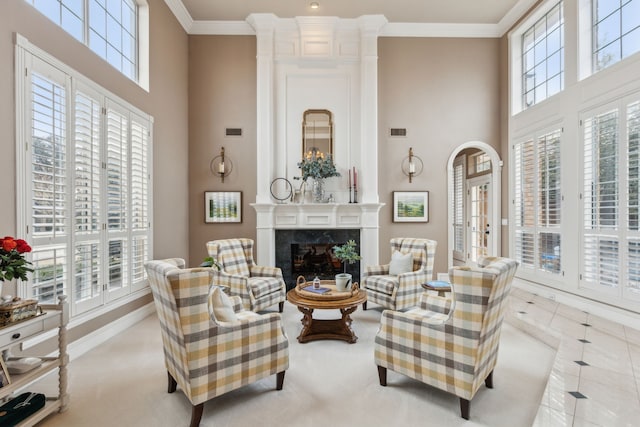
x=327, y=329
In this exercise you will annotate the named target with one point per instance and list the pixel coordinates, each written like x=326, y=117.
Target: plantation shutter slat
x=632, y=265
x=601, y=241
x=139, y=198
x=87, y=268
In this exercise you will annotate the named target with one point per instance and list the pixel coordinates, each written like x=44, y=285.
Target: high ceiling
x=396, y=11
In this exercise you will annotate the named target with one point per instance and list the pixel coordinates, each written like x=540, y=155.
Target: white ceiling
x=211, y=16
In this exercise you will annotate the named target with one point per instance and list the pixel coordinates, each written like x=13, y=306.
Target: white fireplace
x=317, y=63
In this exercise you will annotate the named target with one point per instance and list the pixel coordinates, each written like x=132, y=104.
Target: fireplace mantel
x=289, y=216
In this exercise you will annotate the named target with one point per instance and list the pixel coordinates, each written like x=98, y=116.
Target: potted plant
x=348, y=255
x=210, y=262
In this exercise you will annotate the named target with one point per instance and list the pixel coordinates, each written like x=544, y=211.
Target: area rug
x=329, y=383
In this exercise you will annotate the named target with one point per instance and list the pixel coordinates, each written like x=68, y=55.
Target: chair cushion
x=233, y=259
x=221, y=306
x=400, y=263
x=382, y=284
x=261, y=286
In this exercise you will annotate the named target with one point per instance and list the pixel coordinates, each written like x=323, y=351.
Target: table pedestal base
x=321, y=329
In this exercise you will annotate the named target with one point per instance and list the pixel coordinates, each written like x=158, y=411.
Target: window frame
x=26, y=56
x=140, y=72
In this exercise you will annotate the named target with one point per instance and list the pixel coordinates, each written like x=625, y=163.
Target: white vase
x=343, y=282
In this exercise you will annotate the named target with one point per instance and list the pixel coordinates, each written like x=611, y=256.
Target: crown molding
x=406, y=29
x=228, y=28
x=514, y=14
x=181, y=13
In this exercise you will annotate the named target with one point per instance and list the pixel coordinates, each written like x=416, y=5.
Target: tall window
x=458, y=208
x=616, y=31
x=543, y=58
x=611, y=233
x=537, y=201
x=108, y=27
x=87, y=180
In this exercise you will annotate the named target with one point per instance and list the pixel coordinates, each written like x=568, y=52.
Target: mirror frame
x=312, y=127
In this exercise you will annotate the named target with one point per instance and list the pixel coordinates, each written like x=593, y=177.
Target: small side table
x=437, y=285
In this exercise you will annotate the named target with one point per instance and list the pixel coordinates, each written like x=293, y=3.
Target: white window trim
x=24, y=50
x=142, y=45
x=515, y=56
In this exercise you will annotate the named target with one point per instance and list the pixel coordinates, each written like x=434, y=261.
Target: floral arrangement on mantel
x=13, y=264
x=317, y=165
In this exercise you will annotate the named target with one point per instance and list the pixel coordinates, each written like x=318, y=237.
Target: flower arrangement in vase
x=318, y=166
x=13, y=264
x=348, y=255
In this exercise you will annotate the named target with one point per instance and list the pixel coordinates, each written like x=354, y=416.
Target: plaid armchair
x=258, y=287
x=204, y=358
x=404, y=290
x=451, y=344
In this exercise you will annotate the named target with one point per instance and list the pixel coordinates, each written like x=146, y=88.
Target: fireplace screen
x=315, y=259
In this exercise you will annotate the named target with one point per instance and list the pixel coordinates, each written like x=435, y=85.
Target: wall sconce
x=412, y=165
x=221, y=165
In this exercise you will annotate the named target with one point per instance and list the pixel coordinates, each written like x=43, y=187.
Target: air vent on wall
x=233, y=131
x=398, y=132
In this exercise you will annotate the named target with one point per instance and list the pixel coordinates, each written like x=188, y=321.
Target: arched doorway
x=473, y=202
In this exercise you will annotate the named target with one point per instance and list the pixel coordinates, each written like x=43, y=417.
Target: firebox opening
x=315, y=259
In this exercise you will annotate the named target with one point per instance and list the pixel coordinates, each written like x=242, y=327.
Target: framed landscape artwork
x=222, y=206
x=410, y=206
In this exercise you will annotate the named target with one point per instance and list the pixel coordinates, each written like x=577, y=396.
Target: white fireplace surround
x=317, y=63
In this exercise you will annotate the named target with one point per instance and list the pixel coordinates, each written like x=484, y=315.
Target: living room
x=449, y=87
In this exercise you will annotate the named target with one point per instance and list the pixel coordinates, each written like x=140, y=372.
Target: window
x=537, y=200
x=458, y=208
x=479, y=163
x=616, y=31
x=111, y=28
x=87, y=180
x=543, y=57
x=611, y=233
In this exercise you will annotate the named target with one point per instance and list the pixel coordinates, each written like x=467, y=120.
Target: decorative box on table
x=17, y=309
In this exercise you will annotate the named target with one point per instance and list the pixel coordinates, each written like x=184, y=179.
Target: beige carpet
x=329, y=383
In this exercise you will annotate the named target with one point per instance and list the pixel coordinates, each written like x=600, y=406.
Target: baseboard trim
x=90, y=341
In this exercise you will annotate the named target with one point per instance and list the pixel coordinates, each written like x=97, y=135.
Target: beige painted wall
x=445, y=92
x=166, y=102
x=222, y=93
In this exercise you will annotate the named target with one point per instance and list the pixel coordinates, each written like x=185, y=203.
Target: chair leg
x=281, y=306
x=280, y=380
x=464, y=408
x=172, y=383
x=382, y=375
x=489, y=380
x=196, y=415
x=364, y=306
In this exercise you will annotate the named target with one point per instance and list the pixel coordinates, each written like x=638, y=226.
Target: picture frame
x=5, y=379
x=410, y=206
x=223, y=207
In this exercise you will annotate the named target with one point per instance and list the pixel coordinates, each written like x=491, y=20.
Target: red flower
x=8, y=243
x=22, y=246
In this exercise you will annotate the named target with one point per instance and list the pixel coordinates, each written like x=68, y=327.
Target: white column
x=264, y=24
x=370, y=26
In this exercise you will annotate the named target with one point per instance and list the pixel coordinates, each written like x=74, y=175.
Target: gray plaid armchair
x=450, y=343
x=258, y=287
x=205, y=357
x=404, y=290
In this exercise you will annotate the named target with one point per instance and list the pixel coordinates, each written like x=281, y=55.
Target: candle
x=355, y=178
x=221, y=168
x=349, y=178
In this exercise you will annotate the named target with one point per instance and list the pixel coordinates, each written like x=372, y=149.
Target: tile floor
x=595, y=380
